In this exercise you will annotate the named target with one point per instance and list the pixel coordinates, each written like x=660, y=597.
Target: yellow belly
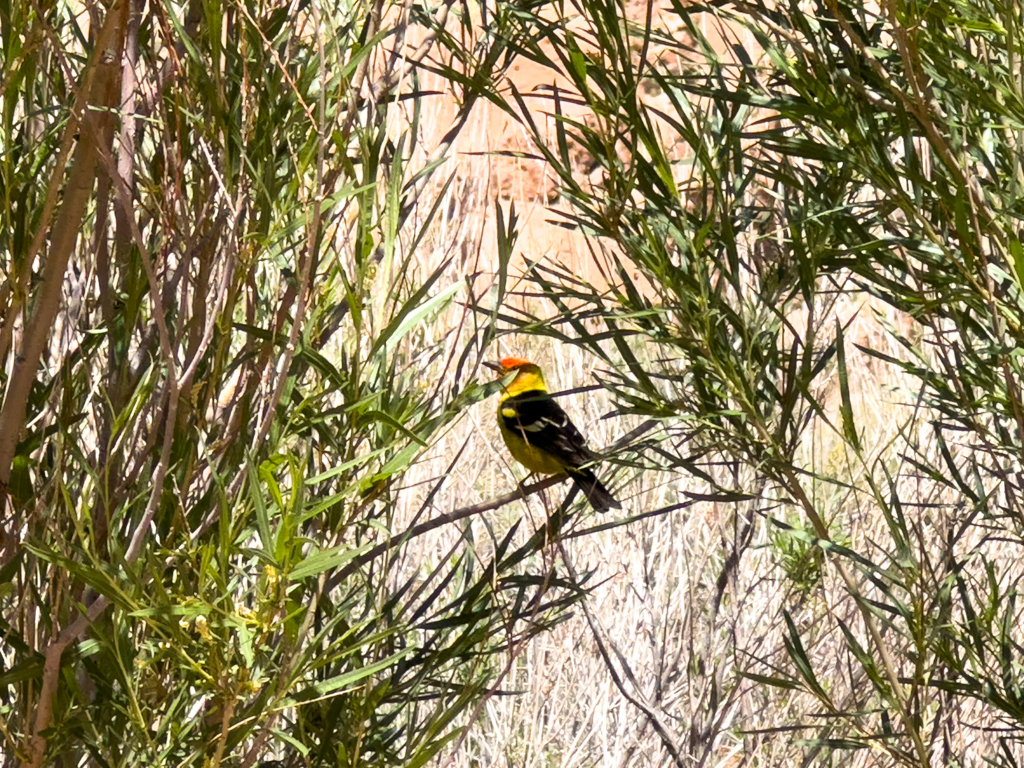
x=528, y=455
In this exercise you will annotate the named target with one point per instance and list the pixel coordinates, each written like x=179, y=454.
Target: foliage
x=215, y=378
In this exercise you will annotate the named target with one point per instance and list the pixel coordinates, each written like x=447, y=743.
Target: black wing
x=542, y=422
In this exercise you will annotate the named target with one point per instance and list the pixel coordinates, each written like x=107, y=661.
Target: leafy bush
x=215, y=379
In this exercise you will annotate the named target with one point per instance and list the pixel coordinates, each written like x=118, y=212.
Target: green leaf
x=259, y=505
x=335, y=685
x=325, y=560
x=413, y=312
x=846, y=404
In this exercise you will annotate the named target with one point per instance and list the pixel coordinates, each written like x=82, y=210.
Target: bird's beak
x=494, y=366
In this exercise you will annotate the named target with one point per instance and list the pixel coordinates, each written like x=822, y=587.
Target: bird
x=540, y=435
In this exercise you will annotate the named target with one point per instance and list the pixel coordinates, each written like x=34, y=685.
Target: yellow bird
x=539, y=434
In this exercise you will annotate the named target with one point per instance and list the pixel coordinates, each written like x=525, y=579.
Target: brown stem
x=51, y=676
x=96, y=131
x=21, y=281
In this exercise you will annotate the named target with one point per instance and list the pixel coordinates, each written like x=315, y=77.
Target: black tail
x=598, y=496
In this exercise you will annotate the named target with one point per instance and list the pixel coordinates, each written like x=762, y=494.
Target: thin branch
x=93, y=110
x=520, y=493
x=445, y=518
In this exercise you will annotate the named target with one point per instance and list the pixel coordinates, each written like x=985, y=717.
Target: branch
x=95, y=110
x=445, y=518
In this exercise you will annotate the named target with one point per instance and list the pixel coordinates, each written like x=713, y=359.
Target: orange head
x=508, y=364
x=528, y=374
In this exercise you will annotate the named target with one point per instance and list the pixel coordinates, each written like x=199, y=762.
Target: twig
x=53, y=188
x=652, y=717
x=552, y=527
x=445, y=518
x=171, y=412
